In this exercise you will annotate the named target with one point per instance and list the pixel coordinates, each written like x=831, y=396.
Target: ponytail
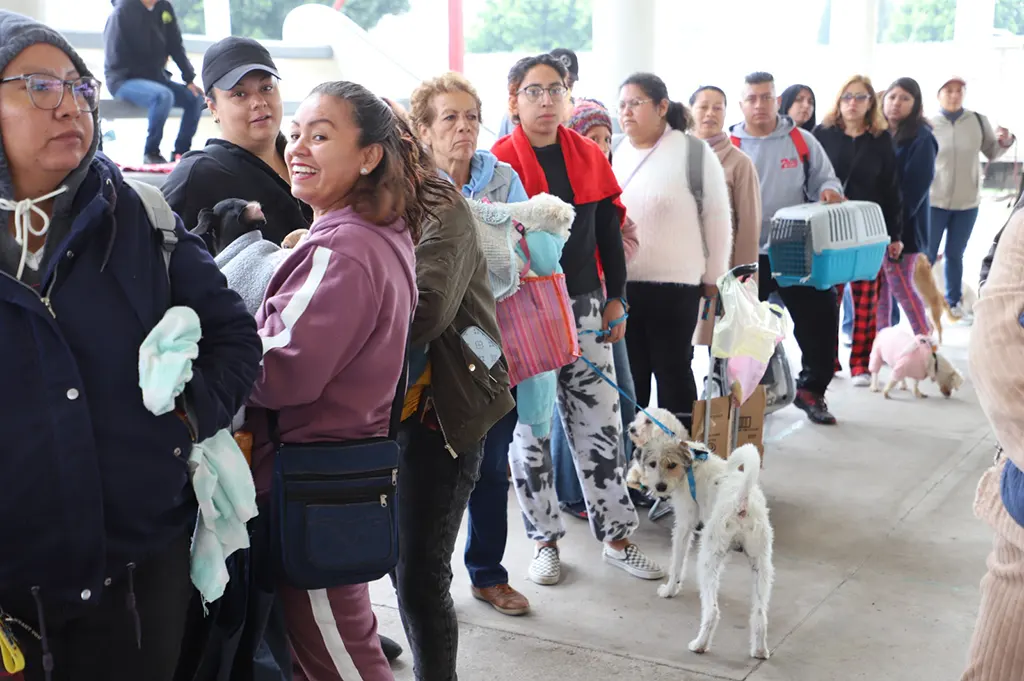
x=678, y=116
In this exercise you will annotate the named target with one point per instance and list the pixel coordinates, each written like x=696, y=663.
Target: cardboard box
x=718, y=437
x=749, y=426
x=751, y=422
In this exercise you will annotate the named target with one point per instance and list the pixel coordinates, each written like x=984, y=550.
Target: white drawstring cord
x=23, y=229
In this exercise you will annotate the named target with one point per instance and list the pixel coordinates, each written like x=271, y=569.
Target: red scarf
x=589, y=172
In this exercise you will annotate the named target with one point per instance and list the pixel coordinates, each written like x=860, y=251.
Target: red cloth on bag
x=590, y=174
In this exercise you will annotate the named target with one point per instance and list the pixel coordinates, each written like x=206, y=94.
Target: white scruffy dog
x=732, y=507
x=642, y=430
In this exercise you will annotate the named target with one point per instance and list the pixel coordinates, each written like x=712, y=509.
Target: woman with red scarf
x=550, y=158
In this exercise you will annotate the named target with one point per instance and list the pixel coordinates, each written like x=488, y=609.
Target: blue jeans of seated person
x=488, y=509
x=567, y=483
x=957, y=225
x=158, y=99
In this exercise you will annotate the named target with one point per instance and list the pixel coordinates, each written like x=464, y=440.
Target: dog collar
x=698, y=456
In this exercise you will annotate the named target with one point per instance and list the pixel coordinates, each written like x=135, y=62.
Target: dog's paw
x=760, y=653
x=669, y=590
x=698, y=646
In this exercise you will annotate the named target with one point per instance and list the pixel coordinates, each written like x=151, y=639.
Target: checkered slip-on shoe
x=546, y=566
x=633, y=561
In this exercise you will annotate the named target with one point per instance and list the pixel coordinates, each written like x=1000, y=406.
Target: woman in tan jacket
x=997, y=369
x=708, y=104
x=956, y=190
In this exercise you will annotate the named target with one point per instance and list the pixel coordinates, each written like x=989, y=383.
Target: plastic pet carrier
x=822, y=245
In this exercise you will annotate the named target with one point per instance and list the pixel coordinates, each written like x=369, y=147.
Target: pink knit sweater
x=997, y=371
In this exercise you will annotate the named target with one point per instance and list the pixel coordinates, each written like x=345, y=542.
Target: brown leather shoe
x=504, y=599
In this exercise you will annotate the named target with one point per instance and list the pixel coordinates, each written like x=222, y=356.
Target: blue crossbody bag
x=334, y=506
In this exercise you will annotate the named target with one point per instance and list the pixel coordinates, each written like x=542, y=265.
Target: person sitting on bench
x=140, y=36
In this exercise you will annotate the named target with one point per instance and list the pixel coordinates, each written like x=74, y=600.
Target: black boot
x=392, y=650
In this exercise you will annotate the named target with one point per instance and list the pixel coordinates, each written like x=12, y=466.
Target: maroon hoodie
x=334, y=324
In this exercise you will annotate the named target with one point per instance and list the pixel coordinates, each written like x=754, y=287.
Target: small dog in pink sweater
x=913, y=357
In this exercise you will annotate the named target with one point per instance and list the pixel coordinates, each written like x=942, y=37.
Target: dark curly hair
x=403, y=184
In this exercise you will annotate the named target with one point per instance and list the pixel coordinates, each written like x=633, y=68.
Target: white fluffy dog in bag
x=704, y=488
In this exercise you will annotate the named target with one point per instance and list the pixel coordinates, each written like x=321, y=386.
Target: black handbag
x=334, y=506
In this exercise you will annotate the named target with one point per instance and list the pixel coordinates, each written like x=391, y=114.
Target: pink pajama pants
x=898, y=280
x=997, y=648
x=333, y=633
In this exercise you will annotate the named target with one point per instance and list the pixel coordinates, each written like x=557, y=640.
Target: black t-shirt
x=222, y=170
x=596, y=229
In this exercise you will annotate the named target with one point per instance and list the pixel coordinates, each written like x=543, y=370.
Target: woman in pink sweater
x=997, y=370
x=334, y=323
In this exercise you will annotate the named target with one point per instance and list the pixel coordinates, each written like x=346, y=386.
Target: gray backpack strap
x=695, y=177
x=161, y=217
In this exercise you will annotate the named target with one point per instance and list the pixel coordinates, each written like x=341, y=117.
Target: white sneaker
x=546, y=566
x=861, y=380
x=633, y=561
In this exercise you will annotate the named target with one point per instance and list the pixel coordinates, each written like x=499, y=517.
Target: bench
x=118, y=109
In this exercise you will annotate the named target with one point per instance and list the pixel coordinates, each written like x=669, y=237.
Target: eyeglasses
x=47, y=92
x=631, y=104
x=860, y=98
x=534, y=93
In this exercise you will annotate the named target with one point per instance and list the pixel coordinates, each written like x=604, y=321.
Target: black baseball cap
x=568, y=59
x=229, y=60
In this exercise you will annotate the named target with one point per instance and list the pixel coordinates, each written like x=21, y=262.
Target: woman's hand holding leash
x=613, y=328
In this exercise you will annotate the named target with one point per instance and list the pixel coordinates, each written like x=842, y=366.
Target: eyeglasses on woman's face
x=859, y=97
x=534, y=93
x=46, y=92
x=631, y=104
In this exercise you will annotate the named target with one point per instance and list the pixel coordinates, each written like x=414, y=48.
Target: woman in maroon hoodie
x=334, y=324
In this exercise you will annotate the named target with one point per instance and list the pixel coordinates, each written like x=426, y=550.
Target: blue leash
x=699, y=456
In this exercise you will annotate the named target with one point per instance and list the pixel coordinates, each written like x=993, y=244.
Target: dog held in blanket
x=913, y=357
x=231, y=218
x=725, y=496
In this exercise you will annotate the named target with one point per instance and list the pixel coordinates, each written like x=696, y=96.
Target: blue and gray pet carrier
x=822, y=245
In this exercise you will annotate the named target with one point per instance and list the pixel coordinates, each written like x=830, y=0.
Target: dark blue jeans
x=488, y=509
x=159, y=99
x=957, y=226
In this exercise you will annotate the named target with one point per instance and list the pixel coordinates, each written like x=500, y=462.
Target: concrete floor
x=877, y=554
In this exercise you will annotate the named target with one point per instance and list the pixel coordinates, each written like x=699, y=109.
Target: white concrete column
x=974, y=22
x=623, y=44
x=853, y=34
x=217, y=15
x=30, y=8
